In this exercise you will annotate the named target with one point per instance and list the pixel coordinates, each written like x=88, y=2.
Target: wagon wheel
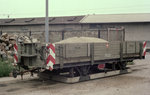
x=82, y=71
x=124, y=64
x=14, y=73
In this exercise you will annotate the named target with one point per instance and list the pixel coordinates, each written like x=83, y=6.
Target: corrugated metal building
x=137, y=26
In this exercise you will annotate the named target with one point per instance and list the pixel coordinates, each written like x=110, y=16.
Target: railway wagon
x=79, y=56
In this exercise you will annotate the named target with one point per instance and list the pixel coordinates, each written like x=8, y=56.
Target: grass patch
x=130, y=63
x=5, y=68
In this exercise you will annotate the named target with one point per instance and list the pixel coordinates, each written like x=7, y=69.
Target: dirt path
x=135, y=83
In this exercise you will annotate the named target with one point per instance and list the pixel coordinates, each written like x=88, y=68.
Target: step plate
x=91, y=76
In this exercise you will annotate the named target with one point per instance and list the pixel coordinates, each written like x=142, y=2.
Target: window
x=95, y=26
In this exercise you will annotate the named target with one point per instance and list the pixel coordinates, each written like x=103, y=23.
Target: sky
x=36, y=8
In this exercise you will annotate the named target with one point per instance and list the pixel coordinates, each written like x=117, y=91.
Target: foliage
x=5, y=68
x=130, y=63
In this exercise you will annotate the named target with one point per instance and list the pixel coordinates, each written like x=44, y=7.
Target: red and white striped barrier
x=144, y=48
x=15, y=54
x=50, y=60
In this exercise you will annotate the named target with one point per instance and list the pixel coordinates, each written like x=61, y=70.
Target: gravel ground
x=135, y=83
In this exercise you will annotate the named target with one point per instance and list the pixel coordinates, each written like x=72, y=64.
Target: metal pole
x=123, y=34
x=46, y=24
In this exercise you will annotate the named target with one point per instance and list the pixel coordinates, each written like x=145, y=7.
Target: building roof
x=35, y=21
x=102, y=18
x=116, y=18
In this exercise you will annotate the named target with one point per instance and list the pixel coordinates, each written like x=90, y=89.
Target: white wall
x=137, y=32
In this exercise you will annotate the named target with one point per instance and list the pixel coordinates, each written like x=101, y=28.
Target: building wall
x=56, y=31
x=56, y=27
x=138, y=32
x=133, y=31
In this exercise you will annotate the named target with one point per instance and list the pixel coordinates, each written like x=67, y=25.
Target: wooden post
x=61, y=60
x=1, y=33
x=121, y=51
x=135, y=47
x=141, y=49
x=99, y=33
x=123, y=35
x=108, y=34
x=30, y=33
x=92, y=53
x=63, y=32
x=71, y=72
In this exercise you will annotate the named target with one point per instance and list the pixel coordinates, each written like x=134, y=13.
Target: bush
x=130, y=63
x=5, y=68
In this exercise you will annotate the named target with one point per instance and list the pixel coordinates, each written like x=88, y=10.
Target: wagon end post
x=121, y=51
x=92, y=53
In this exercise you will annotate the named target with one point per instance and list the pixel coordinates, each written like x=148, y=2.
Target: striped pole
x=50, y=60
x=15, y=54
x=144, y=48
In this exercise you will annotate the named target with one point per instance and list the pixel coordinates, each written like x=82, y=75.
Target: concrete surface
x=135, y=83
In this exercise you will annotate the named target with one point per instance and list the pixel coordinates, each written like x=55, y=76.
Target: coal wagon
x=77, y=57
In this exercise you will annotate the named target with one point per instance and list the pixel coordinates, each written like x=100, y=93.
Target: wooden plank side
x=103, y=52
x=106, y=56
x=76, y=60
x=137, y=47
x=56, y=54
x=100, y=50
x=60, y=53
x=124, y=47
x=81, y=52
x=76, y=50
x=73, y=53
x=130, y=47
x=111, y=51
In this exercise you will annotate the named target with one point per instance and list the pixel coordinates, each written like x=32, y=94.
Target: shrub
x=130, y=63
x=5, y=68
